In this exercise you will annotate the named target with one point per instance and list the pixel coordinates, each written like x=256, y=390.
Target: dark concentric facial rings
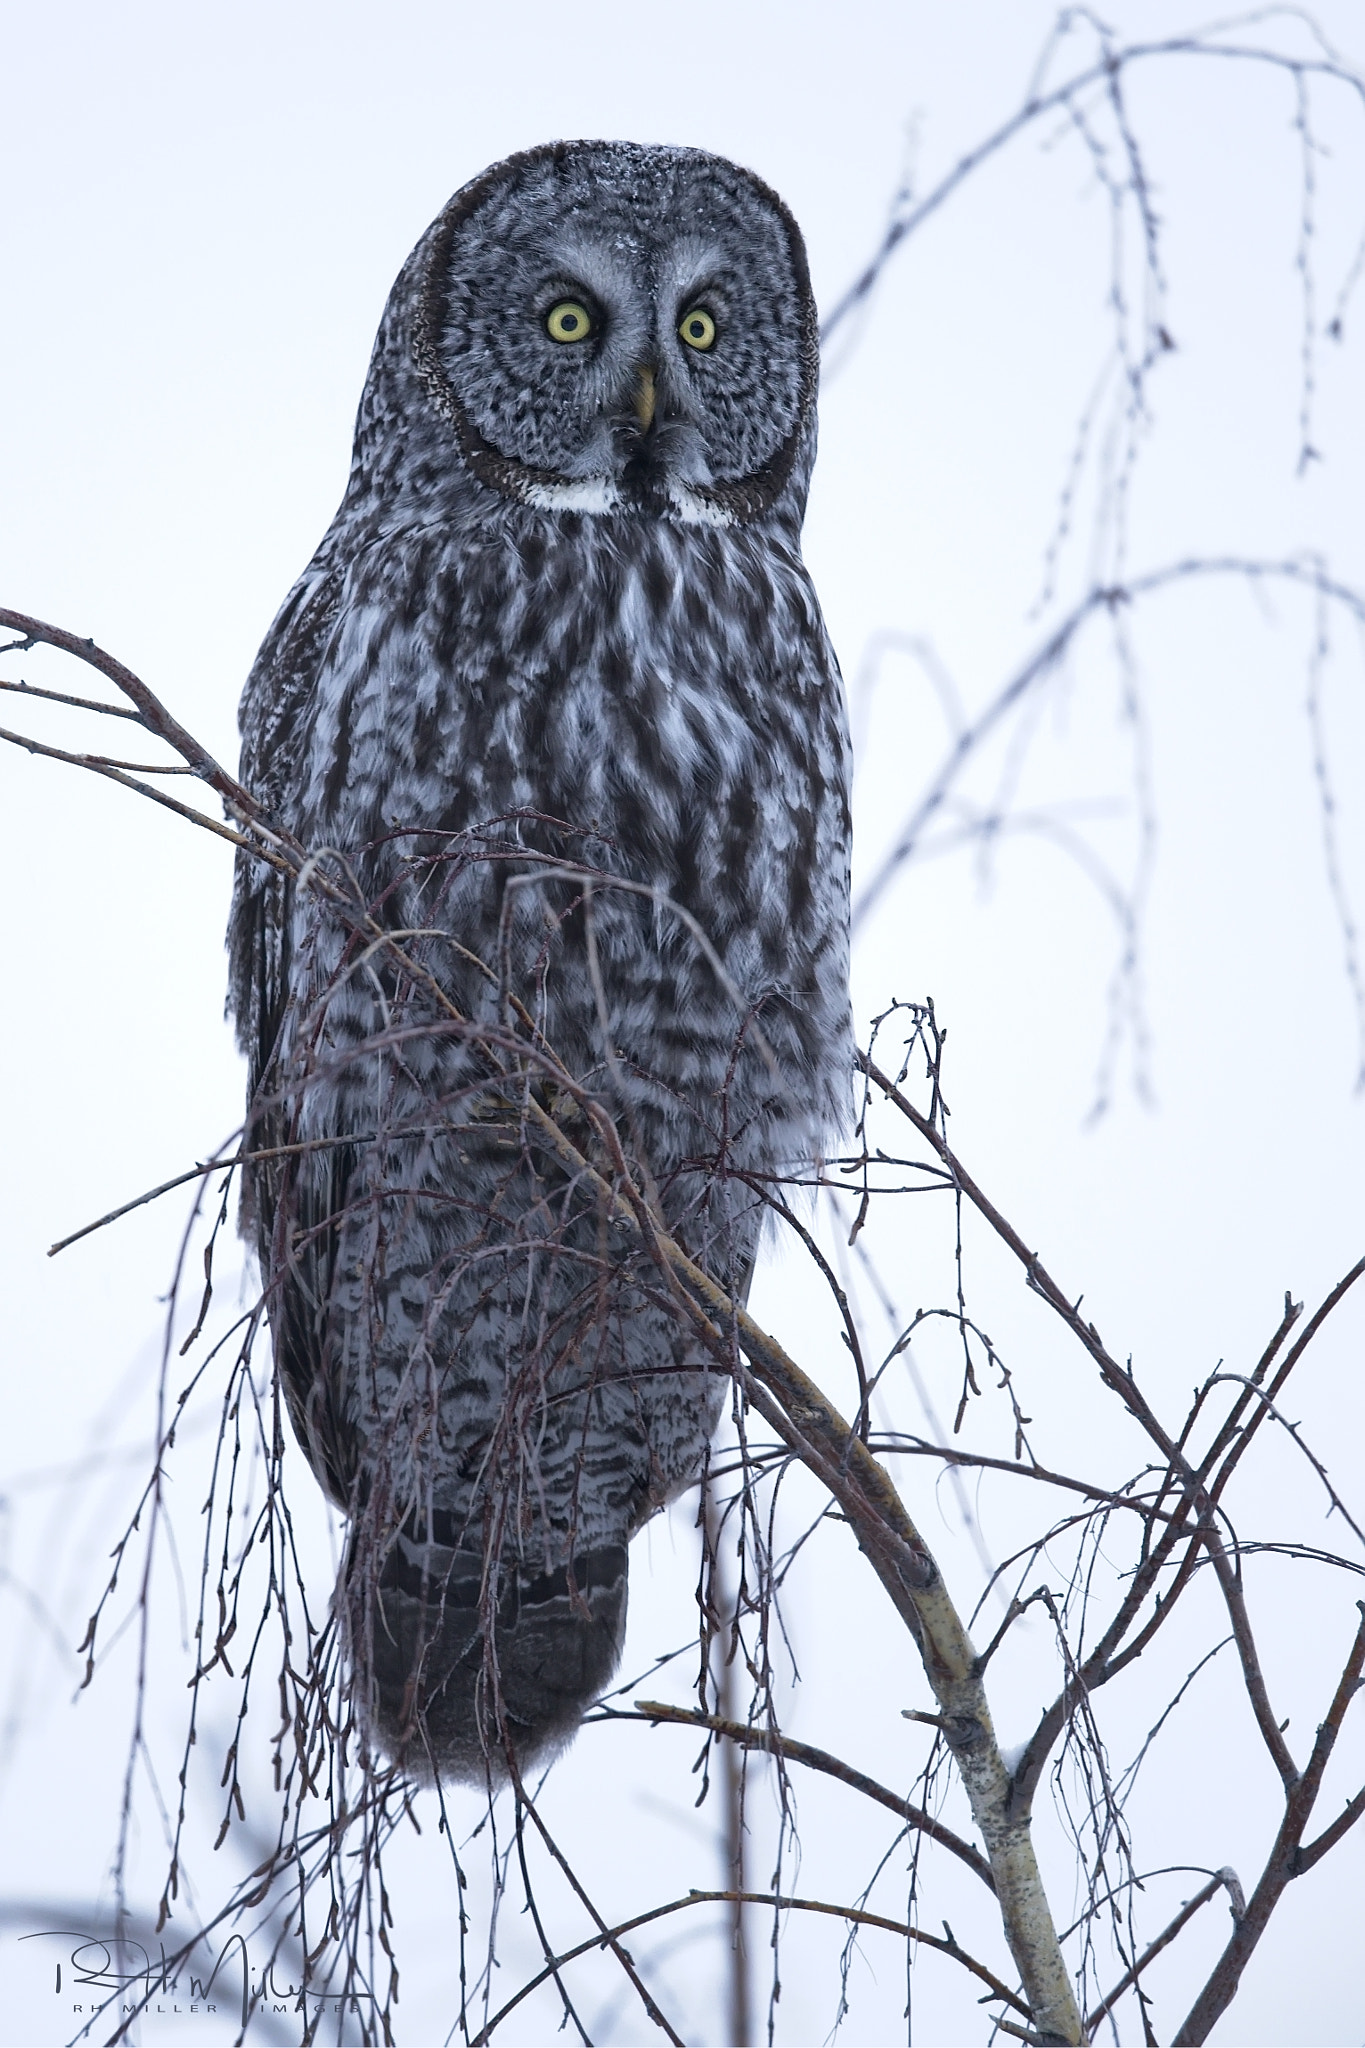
x=586, y=296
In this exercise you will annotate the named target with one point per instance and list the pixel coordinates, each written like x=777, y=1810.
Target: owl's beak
x=644, y=397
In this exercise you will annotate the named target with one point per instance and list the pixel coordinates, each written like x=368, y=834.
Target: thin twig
x=768, y=1743
x=780, y=1904
x=1222, y=1880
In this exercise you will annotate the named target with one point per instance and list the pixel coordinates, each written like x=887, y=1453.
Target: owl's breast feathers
x=667, y=693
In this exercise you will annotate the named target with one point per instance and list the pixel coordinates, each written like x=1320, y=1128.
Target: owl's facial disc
x=634, y=319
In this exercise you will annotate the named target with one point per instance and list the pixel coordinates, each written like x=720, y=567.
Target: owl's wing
x=274, y=718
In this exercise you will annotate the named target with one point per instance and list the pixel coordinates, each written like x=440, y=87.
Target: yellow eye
x=697, y=328
x=568, y=321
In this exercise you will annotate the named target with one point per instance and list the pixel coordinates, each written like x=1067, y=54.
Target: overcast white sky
x=204, y=210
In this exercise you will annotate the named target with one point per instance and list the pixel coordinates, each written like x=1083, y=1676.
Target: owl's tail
x=445, y=1694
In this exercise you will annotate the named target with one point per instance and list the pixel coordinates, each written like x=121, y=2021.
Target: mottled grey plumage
x=547, y=636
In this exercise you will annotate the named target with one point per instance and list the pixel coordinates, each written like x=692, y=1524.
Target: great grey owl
x=554, y=703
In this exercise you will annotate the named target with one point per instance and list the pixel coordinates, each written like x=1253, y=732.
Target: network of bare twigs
x=1113, y=1561
x=339, y=1807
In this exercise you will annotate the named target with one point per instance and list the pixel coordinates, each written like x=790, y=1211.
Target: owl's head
x=605, y=326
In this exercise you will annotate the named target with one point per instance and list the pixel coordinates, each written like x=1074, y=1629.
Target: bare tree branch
x=1283, y=1865
x=767, y=1743
x=780, y=1904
